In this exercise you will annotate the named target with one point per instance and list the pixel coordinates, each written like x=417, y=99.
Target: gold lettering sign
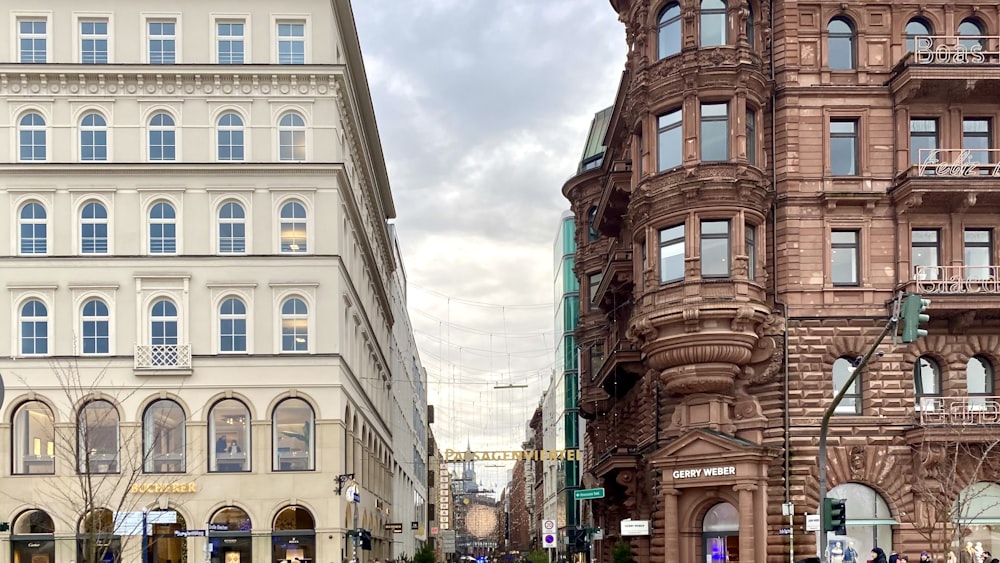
x=451, y=456
x=161, y=488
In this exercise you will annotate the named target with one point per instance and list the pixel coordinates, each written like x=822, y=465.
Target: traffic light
x=912, y=314
x=578, y=540
x=835, y=516
x=366, y=539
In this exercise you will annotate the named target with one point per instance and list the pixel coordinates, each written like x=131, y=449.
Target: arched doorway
x=293, y=536
x=720, y=532
x=95, y=540
x=32, y=538
x=162, y=545
x=868, y=521
x=229, y=533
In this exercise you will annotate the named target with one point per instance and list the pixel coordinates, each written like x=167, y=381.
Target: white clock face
x=481, y=521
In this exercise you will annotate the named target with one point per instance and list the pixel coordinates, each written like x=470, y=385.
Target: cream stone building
x=197, y=272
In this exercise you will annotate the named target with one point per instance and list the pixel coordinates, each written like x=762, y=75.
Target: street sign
x=785, y=532
x=812, y=522
x=128, y=524
x=548, y=533
x=549, y=541
x=584, y=494
x=189, y=533
x=635, y=527
x=448, y=541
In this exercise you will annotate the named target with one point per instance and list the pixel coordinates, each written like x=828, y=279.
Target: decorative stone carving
x=641, y=331
x=857, y=462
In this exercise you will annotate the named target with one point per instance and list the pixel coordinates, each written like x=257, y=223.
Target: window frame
x=910, y=39
x=174, y=37
x=989, y=385
x=923, y=134
x=280, y=20
x=705, y=126
x=854, y=137
x=38, y=321
x=163, y=222
x=971, y=44
x=662, y=130
x=853, y=394
x=149, y=461
x=974, y=135
x=751, y=131
x=669, y=24
x=292, y=317
x=233, y=223
x=38, y=132
x=20, y=36
x=923, y=398
x=213, y=436
x=293, y=222
x=95, y=131
x=704, y=15
x=295, y=131
x=81, y=37
x=856, y=247
x=988, y=270
x=672, y=243
x=310, y=443
x=164, y=131
x=94, y=222
x=31, y=448
x=97, y=319
x=234, y=317
x=167, y=320
x=704, y=238
x=37, y=245
x=82, y=439
x=242, y=39
x=231, y=131
x=750, y=249
x=921, y=244
x=851, y=39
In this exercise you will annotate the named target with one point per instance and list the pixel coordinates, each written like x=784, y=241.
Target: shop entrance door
x=720, y=534
x=722, y=548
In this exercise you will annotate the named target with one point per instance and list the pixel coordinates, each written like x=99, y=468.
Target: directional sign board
x=812, y=522
x=448, y=541
x=189, y=533
x=584, y=494
x=395, y=527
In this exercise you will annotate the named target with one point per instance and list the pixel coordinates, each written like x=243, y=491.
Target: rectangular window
x=594, y=281
x=751, y=136
x=923, y=139
x=714, y=132
x=715, y=249
x=844, y=258
x=844, y=147
x=978, y=254
x=977, y=138
x=291, y=43
x=230, y=42
x=32, y=40
x=670, y=140
x=672, y=254
x=751, y=251
x=94, y=41
x=162, y=42
x=925, y=254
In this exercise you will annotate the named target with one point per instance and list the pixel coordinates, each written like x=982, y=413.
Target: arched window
x=869, y=521
x=918, y=27
x=98, y=437
x=843, y=368
x=668, y=31
x=33, y=439
x=840, y=44
x=293, y=227
x=750, y=31
x=229, y=532
x=33, y=231
x=232, y=229
x=34, y=328
x=927, y=383
x=291, y=137
x=971, y=34
x=292, y=435
x=294, y=522
x=713, y=23
x=162, y=138
x=94, y=229
x=233, y=326
x=31, y=137
x=230, y=137
x=96, y=327
x=294, y=325
x=163, y=438
x=162, y=229
x=93, y=137
x=163, y=328
x=978, y=380
x=229, y=436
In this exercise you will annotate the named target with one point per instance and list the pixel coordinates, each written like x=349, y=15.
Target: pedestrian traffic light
x=366, y=539
x=912, y=314
x=835, y=516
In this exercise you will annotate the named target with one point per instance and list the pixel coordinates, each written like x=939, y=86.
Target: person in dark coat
x=878, y=556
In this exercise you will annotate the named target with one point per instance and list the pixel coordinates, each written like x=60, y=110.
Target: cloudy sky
x=483, y=107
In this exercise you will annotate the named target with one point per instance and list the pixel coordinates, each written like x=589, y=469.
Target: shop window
x=229, y=534
x=163, y=437
x=294, y=535
x=292, y=435
x=32, y=537
x=229, y=432
x=33, y=439
x=96, y=539
x=98, y=438
x=869, y=521
x=843, y=368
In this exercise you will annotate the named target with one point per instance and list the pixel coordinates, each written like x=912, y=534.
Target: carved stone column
x=671, y=527
x=746, y=508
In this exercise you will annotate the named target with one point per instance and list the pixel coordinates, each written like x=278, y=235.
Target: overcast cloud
x=483, y=108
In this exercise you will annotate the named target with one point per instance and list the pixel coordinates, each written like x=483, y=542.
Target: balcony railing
x=958, y=163
x=957, y=279
x=163, y=356
x=960, y=411
x=956, y=50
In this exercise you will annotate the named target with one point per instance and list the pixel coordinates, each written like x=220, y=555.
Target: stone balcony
x=947, y=67
x=947, y=179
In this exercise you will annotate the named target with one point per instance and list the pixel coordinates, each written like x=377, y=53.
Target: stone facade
x=775, y=175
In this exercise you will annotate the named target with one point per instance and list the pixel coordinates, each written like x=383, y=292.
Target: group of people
x=221, y=447
x=972, y=553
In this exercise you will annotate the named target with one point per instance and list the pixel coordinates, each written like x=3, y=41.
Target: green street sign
x=584, y=494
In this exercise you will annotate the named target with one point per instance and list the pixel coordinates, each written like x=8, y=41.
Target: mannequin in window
x=234, y=448
x=220, y=445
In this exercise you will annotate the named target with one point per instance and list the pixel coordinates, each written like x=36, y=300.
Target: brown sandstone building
x=775, y=174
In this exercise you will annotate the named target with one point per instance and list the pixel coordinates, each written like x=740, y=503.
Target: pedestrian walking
x=878, y=556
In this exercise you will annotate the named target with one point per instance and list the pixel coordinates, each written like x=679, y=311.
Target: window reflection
x=98, y=439
x=229, y=431
x=34, y=439
x=293, y=436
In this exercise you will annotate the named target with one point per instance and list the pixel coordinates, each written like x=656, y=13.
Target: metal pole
x=357, y=532
x=145, y=554
x=825, y=428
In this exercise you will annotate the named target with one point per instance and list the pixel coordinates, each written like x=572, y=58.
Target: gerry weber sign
x=704, y=472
